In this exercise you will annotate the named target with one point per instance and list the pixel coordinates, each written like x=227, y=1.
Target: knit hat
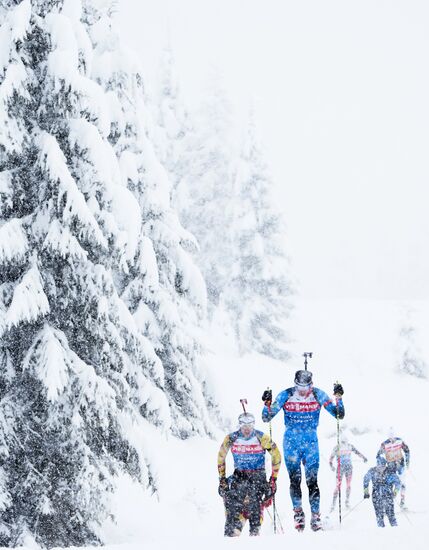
x=381, y=461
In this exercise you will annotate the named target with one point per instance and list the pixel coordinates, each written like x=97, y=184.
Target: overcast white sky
x=342, y=91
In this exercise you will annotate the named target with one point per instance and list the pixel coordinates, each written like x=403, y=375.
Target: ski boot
x=299, y=519
x=347, y=504
x=402, y=505
x=254, y=531
x=316, y=522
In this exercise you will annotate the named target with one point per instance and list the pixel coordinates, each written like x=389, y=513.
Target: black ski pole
x=354, y=508
x=272, y=520
x=406, y=515
x=243, y=403
x=274, y=496
x=338, y=460
x=280, y=523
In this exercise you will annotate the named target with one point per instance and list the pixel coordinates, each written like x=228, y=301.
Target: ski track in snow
x=353, y=342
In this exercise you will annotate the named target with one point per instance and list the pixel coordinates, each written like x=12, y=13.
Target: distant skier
x=385, y=485
x=301, y=405
x=246, y=491
x=344, y=452
x=397, y=454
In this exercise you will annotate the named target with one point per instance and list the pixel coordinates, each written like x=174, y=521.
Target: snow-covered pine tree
x=171, y=129
x=227, y=204
x=207, y=154
x=410, y=358
x=75, y=374
x=164, y=290
x=257, y=294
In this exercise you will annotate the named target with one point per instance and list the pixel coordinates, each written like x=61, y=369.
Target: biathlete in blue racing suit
x=301, y=406
x=385, y=485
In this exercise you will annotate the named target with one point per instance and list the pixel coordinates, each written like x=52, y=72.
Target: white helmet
x=246, y=419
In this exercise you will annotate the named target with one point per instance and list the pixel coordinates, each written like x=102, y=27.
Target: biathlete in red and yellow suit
x=344, y=453
x=247, y=490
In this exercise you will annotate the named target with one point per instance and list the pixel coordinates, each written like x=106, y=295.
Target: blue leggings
x=302, y=447
x=383, y=505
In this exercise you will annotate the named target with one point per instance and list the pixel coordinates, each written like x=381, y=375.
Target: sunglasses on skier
x=303, y=390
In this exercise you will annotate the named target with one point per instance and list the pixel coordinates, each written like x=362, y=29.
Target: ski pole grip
x=267, y=398
x=338, y=389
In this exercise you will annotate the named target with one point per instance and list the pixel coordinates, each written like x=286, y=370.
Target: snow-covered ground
x=352, y=341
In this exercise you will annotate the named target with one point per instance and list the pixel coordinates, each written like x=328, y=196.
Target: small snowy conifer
x=257, y=294
x=410, y=358
x=171, y=129
x=208, y=152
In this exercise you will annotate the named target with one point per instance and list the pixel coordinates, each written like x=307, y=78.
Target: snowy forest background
x=144, y=273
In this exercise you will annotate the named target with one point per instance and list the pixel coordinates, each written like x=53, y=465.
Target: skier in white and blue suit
x=301, y=405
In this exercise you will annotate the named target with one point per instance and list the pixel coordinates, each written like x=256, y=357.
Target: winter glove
x=223, y=487
x=268, y=494
x=270, y=491
x=338, y=390
x=366, y=493
x=273, y=485
x=267, y=397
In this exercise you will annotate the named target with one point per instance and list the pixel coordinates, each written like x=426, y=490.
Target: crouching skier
x=245, y=492
x=385, y=485
x=301, y=405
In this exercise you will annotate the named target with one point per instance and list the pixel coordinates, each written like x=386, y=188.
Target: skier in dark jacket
x=246, y=491
x=301, y=405
x=385, y=485
x=245, y=512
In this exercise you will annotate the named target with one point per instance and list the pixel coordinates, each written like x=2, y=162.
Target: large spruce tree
x=79, y=378
x=224, y=195
x=164, y=290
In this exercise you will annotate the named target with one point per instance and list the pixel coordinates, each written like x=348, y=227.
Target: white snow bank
x=353, y=342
